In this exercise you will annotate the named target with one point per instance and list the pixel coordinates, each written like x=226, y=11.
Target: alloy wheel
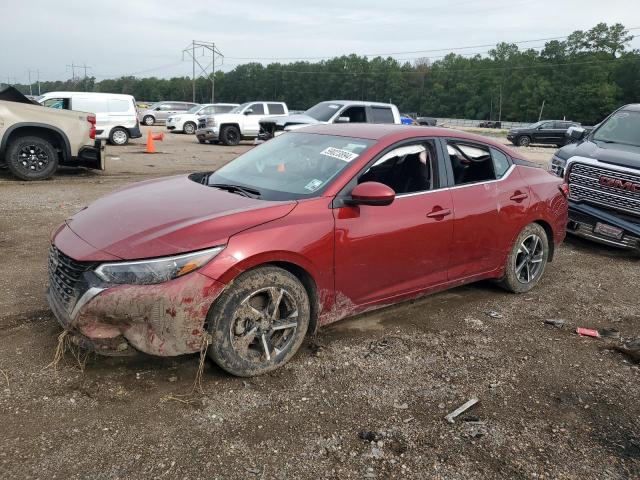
x=264, y=325
x=529, y=259
x=33, y=158
x=119, y=137
x=189, y=128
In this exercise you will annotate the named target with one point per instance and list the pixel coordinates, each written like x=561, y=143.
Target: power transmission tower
x=207, y=48
x=37, y=72
x=75, y=79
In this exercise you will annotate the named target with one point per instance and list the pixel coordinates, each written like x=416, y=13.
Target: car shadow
x=583, y=245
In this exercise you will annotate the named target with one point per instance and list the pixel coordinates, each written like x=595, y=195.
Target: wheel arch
x=50, y=132
x=231, y=124
x=550, y=237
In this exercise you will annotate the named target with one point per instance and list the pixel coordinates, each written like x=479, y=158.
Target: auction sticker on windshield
x=313, y=185
x=340, y=154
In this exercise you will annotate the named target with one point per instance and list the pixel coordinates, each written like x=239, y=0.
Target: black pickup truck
x=603, y=172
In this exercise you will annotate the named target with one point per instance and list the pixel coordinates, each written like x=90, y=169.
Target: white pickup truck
x=241, y=123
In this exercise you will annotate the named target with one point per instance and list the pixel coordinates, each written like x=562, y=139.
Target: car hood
x=169, y=216
x=613, y=153
x=299, y=119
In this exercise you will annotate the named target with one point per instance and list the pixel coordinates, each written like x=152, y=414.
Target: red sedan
x=311, y=227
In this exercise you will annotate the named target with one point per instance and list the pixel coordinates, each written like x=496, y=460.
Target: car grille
x=66, y=279
x=584, y=183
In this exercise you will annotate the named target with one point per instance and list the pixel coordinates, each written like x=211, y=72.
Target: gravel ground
x=365, y=398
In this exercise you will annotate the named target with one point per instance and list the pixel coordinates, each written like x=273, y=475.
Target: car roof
x=633, y=107
x=359, y=102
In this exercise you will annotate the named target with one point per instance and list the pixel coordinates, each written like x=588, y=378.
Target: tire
x=189, y=128
x=524, y=141
x=524, y=270
x=31, y=158
x=230, y=136
x=119, y=136
x=201, y=140
x=244, y=340
x=148, y=120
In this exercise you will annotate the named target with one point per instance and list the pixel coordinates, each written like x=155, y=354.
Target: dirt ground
x=364, y=398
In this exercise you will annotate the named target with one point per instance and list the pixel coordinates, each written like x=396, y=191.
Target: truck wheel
x=527, y=260
x=230, y=136
x=119, y=136
x=189, y=128
x=148, y=120
x=259, y=323
x=32, y=158
x=524, y=141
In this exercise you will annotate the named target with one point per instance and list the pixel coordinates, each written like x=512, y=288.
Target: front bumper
x=165, y=319
x=583, y=219
x=208, y=133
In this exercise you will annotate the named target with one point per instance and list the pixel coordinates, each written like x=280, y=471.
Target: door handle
x=439, y=213
x=519, y=197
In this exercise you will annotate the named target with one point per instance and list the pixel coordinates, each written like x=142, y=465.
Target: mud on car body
x=287, y=238
x=603, y=173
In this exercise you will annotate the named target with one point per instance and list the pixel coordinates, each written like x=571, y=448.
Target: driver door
x=252, y=120
x=383, y=252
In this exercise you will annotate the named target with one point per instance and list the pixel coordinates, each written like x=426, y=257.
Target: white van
x=116, y=114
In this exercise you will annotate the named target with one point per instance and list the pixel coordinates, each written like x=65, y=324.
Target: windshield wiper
x=245, y=191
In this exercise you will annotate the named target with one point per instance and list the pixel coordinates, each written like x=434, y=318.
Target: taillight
x=564, y=188
x=92, y=131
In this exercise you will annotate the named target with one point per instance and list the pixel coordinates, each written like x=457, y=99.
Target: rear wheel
x=527, y=260
x=148, y=120
x=230, y=135
x=189, y=128
x=119, y=136
x=259, y=323
x=31, y=158
x=524, y=141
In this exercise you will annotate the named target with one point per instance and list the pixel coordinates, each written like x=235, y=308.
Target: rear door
x=490, y=201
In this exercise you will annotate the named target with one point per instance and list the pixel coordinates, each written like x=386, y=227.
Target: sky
x=146, y=37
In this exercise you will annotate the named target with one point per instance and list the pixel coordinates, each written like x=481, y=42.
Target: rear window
x=118, y=105
x=276, y=108
x=382, y=115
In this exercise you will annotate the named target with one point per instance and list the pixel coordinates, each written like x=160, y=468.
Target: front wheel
x=259, y=323
x=189, y=128
x=31, y=158
x=230, y=136
x=527, y=260
x=148, y=120
x=524, y=141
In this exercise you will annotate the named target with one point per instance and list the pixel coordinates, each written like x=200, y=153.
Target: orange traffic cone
x=150, y=146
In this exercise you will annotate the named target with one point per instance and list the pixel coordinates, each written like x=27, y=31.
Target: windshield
x=291, y=166
x=239, y=108
x=622, y=127
x=323, y=111
x=195, y=109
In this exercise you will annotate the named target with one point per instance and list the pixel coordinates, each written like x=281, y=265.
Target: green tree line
x=581, y=78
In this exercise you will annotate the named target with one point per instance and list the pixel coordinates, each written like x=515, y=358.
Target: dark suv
x=603, y=173
x=552, y=132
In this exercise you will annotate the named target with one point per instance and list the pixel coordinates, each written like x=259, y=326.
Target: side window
x=470, y=163
x=258, y=109
x=206, y=111
x=164, y=107
x=500, y=162
x=222, y=108
x=355, y=114
x=275, y=108
x=406, y=169
x=59, y=103
x=382, y=115
x=546, y=125
x=180, y=107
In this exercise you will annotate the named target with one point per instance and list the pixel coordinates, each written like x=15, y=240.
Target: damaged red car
x=311, y=227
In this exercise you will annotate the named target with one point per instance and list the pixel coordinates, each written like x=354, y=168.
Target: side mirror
x=157, y=109
x=248, y=111
x=371, y=193
x=343, y=120
x=576, y=133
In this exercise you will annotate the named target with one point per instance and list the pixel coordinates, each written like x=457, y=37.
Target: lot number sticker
x=340, y=154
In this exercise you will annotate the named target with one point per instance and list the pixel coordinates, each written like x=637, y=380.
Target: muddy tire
x=230, y=136
x=527, y=260
x=258, y=323
x=31, y=158
x=524, y=141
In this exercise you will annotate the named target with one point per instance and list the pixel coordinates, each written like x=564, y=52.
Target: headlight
x=557, y=166
x=157, y=270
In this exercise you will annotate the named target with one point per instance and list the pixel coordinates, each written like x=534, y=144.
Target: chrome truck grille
x=605, y=187
x=66, y=279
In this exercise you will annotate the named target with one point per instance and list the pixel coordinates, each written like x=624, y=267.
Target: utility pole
x=204, y=70
x=500, y=114
x=30, y=89
x=541, y=108
x=73, y=70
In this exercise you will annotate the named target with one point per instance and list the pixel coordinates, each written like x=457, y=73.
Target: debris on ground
x=587, y=332
x=556, y=322
x=463, y=408
x=631, y=349
x=609, y=332
x=370, y=435
x=494, y=314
